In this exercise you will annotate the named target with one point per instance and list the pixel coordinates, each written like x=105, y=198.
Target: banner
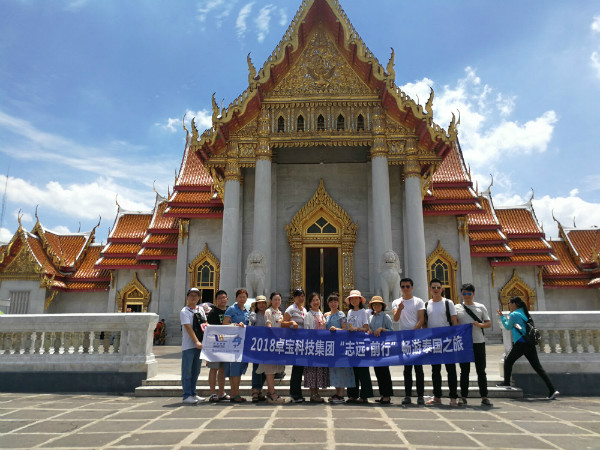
x=323, y=348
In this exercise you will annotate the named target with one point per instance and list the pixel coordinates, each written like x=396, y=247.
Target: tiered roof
x=451, y=191
x=578, y=252
x=160, y=241
x=485, y=232
x=62, y=262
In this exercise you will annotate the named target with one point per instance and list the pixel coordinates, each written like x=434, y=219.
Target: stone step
x=246, y=390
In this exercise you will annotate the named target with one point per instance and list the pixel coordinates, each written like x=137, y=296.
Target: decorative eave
x=382, y=81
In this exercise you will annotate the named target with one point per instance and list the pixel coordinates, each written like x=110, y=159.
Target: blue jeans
x=190, y=371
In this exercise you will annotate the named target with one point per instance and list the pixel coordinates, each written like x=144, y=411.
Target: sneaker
x=503, y=385
x=462, y=401
x=420, y=401
x=486, y=402
x=553, y=395
x=191, y=400
x=433, y=401
x=338, y=401
x=453, y=402
x=214, y=398
x=406, y=401
x=200, y=399
x=297, y=400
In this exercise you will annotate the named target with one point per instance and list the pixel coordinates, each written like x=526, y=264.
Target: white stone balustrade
x=78, y=343
x=570, y=348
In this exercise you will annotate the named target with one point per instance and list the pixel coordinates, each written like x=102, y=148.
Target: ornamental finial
x=429, y=104
x=215, y=108
x=390, y=67
x=186, y=130
x=251, y=71
x=489, y=189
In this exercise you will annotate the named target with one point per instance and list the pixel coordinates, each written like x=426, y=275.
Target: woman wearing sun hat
x=358, y=320
x=294, y=318
x=380, y=323
x=257, y=319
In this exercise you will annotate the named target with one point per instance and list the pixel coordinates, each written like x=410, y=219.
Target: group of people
x=408, y=313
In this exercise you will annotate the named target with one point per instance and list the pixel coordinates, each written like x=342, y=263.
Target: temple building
x=321, y=174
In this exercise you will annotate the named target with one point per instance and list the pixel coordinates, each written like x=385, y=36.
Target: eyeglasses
x=406, y=286
x=468, y=294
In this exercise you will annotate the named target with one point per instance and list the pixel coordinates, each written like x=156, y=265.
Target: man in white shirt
x=190, y=348
x=409, y=314
x=440, y=312
x=476, y=314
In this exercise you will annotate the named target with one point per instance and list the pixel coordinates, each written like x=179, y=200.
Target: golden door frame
x=322, y=205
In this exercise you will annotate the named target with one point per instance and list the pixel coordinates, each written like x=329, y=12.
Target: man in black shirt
x=217, y=369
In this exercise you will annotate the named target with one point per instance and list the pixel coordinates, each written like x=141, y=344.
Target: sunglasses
x=468, y=294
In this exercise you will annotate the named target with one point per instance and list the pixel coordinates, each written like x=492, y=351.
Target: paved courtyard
x=51, y=421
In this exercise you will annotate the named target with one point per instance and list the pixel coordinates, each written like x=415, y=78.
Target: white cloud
x=595, y=26
x=262, y=21
x=595, y=63
x=566, y=210
x=203, y=120
x=206, y=7
x=240, y=23
x=5, y=235
x=283, y=19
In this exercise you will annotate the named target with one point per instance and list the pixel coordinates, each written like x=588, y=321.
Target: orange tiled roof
x=88, y=286
x=192, y=172
x=540, y=259
x=130, y=226
x=490, y=250
x=451, y=170
x=160, y=222
x=529, y=244
x=117, y=248
x=457, y=208
x=586, y=244
x=123, y=263
x=65, y=247
x=86, y=270
x=518, y=221
x=35, y=245
x=161, y=240
x=193, y=212
x=486, y=220
x=157, y=253
x=566, y=283
x=567, y=266
x=486, y=236
x=192, y=198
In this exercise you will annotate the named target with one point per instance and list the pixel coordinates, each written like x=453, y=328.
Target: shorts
x=215, y=365
x=235, y=369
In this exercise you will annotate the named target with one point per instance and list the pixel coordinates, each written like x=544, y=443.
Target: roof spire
x=530, y=202
x=215, y=109
x=489, y=189
x=390, y=69
x=251, y=71
x=429, y=104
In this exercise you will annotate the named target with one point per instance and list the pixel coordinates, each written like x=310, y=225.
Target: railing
x=68, y=344
x=569, y=351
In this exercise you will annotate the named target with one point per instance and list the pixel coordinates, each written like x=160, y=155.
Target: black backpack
x=531, y=335
x=448, y=316
x=197, y=325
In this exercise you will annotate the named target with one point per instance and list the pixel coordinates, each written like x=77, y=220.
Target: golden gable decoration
x=438, y=260
x=208, y=256
x=133, y=293
x=516, y=287
x=22, y=267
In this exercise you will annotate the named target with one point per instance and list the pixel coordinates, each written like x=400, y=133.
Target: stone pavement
x=51, y=421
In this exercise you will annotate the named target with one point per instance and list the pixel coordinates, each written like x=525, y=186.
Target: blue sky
x=92, y=94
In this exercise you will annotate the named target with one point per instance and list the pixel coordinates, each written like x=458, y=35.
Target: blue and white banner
x=323, y=348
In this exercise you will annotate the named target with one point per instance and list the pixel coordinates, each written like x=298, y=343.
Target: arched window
x=134, y=297
x=340, y=123
x=360, y=123
x=280, y=125
x=442, y=266
x=300, y=123
x=320, y=123
x=204, y=274
x=321, y=226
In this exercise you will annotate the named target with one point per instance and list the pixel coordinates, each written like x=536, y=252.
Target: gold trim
x=50, y=299
x=517, y=287
x=463, y=226
x=134, y=285
x=441, y=254
x=344, y=238
x=204, y=255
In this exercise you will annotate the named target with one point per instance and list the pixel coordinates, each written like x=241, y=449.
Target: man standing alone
x=409, y=314
x=190, y=348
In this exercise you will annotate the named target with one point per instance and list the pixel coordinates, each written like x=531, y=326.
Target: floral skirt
x=316, y=377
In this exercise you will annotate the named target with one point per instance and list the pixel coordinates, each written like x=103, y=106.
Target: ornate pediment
x=23, y=266
x=320, y=71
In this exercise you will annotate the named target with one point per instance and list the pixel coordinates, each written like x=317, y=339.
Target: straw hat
x=259, y=298
x=377, y=299
x=355, y=293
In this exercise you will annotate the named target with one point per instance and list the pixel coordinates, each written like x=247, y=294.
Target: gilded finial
x=532, y=195
x=215, y=108
x=79, y=229
x=452, y=132
x=36, y=215
x=99, y=220
x=154, y=187
x=489, y=189
x=117, y=202
x=390, y=67
x=574, y=225
x=429, y=104
x=194, y=131
x=186, y=130
x=554, y=218
x=251, y=71
x=19, y=217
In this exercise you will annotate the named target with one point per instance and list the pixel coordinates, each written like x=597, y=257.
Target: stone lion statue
x=255, y=274
x=390, y=271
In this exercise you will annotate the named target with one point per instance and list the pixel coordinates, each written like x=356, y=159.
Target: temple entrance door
x=321, y=271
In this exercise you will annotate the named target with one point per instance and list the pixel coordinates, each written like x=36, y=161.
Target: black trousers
x=296, y=381
x=465, y=370
x=384, y=381
x=362, y=379
x=529, y=351
x=408, y=382
x=436, y=378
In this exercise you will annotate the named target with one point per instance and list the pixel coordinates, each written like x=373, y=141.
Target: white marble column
x=416, y=267
x=464, y=250
x=230, y=241
x=262, y=217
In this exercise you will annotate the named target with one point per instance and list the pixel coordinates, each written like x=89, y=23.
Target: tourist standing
x=216, y=373
x=440, y=312
x=380, y=323
x=273, y=318
x=294, y=318
x=315, y=377
x=517, y=322
x=340, y=377
x=409, y=313
x=476, y=314
x=237, y=315
x=358, y=320
x=190, y=348
x=257, y=319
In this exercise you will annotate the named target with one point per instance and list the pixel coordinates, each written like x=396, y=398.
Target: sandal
x=255, y=397
x=272, y=398
x=362, y=401
x=238, y=399
x=261, y=397
x=213, y=398
x=316, y=399
x=224, y=398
